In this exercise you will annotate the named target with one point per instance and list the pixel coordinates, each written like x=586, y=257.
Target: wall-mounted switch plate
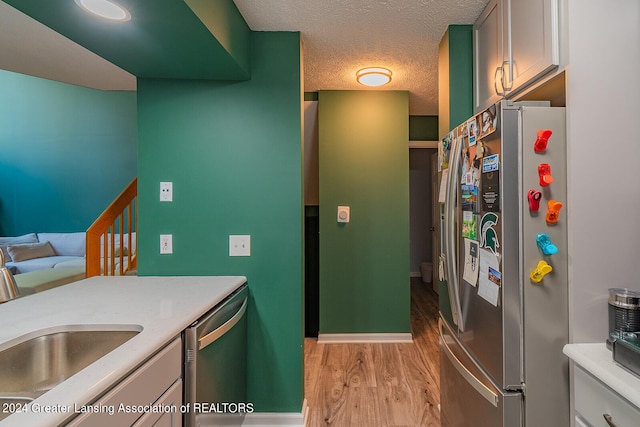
x=240, y=245
x=166, y=191
x=166, y=243
x=344, y=213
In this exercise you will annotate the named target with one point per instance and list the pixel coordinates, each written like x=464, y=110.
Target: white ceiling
x=342, y=36
x=339, y=36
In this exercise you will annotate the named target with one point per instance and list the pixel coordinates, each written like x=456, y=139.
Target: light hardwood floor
x=378, y=385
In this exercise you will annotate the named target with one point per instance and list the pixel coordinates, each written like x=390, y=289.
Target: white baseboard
x=257, y=419
x=364, y=338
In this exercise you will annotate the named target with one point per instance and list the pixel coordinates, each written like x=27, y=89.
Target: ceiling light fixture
x=373, y=76
x=105, y=9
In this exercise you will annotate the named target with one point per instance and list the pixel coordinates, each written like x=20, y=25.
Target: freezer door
x=467, y=396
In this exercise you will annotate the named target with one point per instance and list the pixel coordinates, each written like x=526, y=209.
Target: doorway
x=422, y=220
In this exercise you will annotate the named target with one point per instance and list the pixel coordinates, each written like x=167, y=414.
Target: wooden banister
x=104, y=256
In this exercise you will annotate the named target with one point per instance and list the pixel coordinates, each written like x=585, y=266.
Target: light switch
x=240, y=245
x=344, y=213
x=166, y=191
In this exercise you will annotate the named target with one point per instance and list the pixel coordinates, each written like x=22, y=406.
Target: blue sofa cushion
x=41, y=263
x=72, y=244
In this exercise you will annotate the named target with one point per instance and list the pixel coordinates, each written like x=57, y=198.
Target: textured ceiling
x=339, y=36
x=342, y=36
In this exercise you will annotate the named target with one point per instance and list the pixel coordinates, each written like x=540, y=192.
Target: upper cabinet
x=515, y=42
x=488, y=70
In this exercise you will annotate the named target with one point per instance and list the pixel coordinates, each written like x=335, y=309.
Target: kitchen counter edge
x=163, y=306
x=596, y=359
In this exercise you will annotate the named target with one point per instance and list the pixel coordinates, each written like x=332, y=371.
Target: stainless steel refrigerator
x=503, y=269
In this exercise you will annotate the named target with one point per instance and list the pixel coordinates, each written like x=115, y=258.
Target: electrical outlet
x=166, y=191
x=240, y=245
x=166, y=243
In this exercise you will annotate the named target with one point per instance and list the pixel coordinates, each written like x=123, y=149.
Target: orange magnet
x=544, y=170
x=540, y=146
x=541, y=270
x=553, y=208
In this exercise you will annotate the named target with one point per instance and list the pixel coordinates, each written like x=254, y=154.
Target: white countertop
x=598, y=361
x=161, y=306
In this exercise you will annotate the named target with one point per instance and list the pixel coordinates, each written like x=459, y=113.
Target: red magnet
x=553, y=210
x=544, y=170
x=534, y=197
x=540, y=146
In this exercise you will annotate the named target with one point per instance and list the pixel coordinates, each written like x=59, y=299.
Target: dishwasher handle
x=224, y=328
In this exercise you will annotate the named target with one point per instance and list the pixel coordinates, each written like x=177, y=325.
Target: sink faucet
x=8, y=287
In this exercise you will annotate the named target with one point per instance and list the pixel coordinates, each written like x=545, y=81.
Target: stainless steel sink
x=34, y=366
x=11, y=405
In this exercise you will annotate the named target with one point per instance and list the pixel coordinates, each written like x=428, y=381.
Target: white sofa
x=32, y=252
x=44, y=260
x=41, y=261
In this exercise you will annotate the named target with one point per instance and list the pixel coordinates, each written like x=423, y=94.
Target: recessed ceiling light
x=105, y=9
x=374, y=76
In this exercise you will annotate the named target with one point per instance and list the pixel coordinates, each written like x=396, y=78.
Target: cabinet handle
x=502, y=78
x=495, y=80
x=609, y=420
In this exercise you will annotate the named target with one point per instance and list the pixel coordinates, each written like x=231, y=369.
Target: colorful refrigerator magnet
x=544, y=171
x=553, y=209
x=534, y=197
x=545, y=244
x=488, y=235
x=469, y=225
x=541, y=270
x=540, y=146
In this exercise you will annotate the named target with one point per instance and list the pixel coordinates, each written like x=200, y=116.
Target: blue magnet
x=545, y=244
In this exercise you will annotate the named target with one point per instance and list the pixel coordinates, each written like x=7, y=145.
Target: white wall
x=603, y=103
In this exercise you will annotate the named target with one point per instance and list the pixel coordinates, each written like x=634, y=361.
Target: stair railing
x=111, y=240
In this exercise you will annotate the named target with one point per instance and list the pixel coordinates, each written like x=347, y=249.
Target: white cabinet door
x=515, y=42
x=596, y=402
x=172, y=417
x=531, y=38
x=130, y=398
x=488, y=56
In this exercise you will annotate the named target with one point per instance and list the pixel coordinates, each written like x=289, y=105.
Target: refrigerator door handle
x=474, y=382
x=451, y=234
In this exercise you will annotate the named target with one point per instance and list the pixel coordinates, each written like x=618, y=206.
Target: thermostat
x=343, y=213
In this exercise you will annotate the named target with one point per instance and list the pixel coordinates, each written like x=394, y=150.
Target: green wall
x=233, y=151
x=423, y=128
x=364, y=163
x=460, y=73
x=67, y=152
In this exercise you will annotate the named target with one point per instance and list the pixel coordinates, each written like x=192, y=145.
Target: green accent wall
x=163, y=38
x=67, y=152
x=423, y=128
x=460, y=73
x=233, y=151
x=455, y=77
x=364, y=164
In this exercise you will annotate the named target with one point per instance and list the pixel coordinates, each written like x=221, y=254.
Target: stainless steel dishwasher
x=215, y=358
